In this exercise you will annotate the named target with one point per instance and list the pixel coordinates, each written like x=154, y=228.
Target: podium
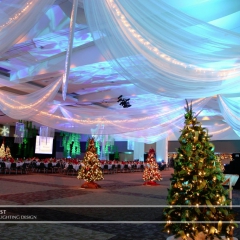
x=230, y=180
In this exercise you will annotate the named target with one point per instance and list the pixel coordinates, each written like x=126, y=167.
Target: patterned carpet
x=59, y=214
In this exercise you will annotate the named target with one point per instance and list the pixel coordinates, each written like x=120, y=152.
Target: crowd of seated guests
x=35, y=164
x=112, y=166
x=69, y=165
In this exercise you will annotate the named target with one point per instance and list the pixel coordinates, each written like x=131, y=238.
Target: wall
x=148, y=146
x=221, y=146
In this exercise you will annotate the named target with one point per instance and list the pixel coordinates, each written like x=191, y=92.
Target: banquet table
x=8, y=164
x=109, y=166
x=76, y=166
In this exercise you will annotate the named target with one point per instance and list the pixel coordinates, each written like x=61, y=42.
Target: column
x=162, y=150
x=138, y=151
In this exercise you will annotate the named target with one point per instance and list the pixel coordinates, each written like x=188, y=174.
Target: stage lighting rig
x=124, y=102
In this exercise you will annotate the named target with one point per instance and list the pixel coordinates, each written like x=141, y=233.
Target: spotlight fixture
x=124, y=102
x=120, y=98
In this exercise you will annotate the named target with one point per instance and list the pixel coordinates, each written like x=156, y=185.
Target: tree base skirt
x=200, y=236
x=91, y=185
x=151, y=183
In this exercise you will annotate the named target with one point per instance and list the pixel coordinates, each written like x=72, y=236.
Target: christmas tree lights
x=90, y=170
x=151, y=172
x=197, y=183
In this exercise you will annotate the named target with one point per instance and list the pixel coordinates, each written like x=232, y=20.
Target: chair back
x=24, y=166
x=13, y=165
x=105, y=166
x=70, y=167
x=3, y=165
x=58, y=164
x=42, y=165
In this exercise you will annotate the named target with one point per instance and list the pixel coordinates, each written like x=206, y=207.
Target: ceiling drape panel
x=164, y=50
x=25, y=106
x=17, y=18
x=148, y=125
x=230, y=109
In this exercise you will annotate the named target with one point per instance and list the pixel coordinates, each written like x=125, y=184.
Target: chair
x=105, y=168
x=33, y=166
x=49, y=168
x=134, y=168
x=126, y=168
x=162, y=167
x=70, y=169
x=2, y=167
x=57, y=167
x=24, y=168
x=13, y=168
x=118, y=170
x=112, y=169
x=42, y=167
x=61, y=168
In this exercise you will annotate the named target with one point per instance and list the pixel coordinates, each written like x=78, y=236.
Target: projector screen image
x=44, y=145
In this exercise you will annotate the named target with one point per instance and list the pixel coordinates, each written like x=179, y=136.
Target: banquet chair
x=23, y=168
x=33, y=166
x=105, y=168
x=134, y=166
x=49, y=168
x=118, y=170
x=57, y=167
x=41, y=167
x=62, y=166
x=112, y=169
x=13, y=168
x=70, y=169
x=2, y=167
x=126, y=168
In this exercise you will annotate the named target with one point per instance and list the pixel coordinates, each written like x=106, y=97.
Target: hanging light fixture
x=124, y=102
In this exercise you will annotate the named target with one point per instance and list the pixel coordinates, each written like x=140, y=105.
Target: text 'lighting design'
x=124, y=102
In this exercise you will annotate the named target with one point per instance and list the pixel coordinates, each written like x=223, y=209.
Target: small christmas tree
x=151, y=172
x=197, y=182
x=90, y=170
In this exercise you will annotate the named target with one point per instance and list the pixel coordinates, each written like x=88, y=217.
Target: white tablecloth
x=8, y=164
x=109, y=166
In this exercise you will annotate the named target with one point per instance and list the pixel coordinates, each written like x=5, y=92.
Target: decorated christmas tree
x=90, y=170
x=198, y=201
x=151, y=172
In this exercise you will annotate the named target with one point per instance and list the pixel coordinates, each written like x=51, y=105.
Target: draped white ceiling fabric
x=158, y=48
x=149, y=125
x=163, y=50
x=26, y=106
x=17, y=18
x=229, y=107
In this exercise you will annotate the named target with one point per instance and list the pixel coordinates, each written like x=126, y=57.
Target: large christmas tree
x=90, y=170
x=197, y=183
x=151, y=172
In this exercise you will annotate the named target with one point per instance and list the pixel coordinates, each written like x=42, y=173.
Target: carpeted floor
x=59, y=209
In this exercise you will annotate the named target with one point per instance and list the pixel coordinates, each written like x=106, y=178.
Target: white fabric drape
x=230, y=109
x=138, y=151
x=17, y=18
x=164, y=51
x=25, y=106
x=162, y=150
x=69, y=50
x=148, y=125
